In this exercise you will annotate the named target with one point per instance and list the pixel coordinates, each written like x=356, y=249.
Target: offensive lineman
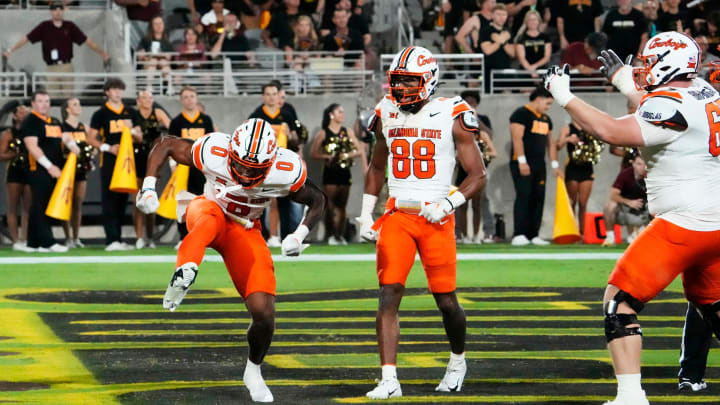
x=243, y=172
x=418, y=138
x=678, y=124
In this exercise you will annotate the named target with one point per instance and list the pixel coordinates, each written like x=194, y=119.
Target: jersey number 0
x=423, y=162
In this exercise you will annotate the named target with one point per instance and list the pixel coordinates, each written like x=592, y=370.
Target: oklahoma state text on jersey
x=210, y=155
x=422, y=150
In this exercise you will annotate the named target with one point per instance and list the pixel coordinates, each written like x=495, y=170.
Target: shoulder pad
x=662, y=111
x=459, y=106
x=469, y=121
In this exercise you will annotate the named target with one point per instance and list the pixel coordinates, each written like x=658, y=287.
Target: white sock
x=628, y=383
x=610, y=236
x=457, y=357
x=252, y=368
x=389, y=371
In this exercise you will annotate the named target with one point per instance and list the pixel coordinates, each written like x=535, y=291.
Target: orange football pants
x=244, y=251
x=661, y=253
x=401, y=235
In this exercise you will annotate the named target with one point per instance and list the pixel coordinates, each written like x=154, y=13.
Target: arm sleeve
x=135, y=117
x=77, y=35
x=517, y=117
x=209, y=127
x=597, y=8
x=301, y=177
x=174, y=128
x=197, y=152
x=660, y=120
x=96, y=121
x=36, y=34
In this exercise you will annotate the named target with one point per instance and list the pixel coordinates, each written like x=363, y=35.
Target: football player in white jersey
x=244, y=171
x=418, y=137
x=677, y=123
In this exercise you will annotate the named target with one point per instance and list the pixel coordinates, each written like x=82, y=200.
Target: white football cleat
x=537, y=241
x=386, y=388
x=634, y=399
x=454, y=376
x=180, y=283
x=520, y=240
x=254, y=382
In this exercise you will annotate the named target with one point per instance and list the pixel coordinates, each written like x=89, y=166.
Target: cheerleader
x=18, y=189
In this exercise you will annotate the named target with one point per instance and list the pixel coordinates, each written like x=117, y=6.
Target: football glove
x=366, y=232
x=292, y=244
x=619, y=74
x=179, y=285
x=557, y=82
x=147, y=201
x=435, y=212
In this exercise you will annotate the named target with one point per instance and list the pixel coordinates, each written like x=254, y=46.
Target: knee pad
x=616, y=324
x=709, y=313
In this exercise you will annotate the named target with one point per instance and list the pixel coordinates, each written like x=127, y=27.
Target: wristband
x=301, y=232
x=45, y=162
x=522, y=160
x=554, y=164
x=104, y=147
x=456, y=199
x=149, y=183
x=368, y=204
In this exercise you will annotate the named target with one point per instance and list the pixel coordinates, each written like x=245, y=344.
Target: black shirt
x=280, y=27
x=624, y=31
x=48, y=131
x=238, y=43
x=668, y=22
x=79, y=133
x=283, y=115
x=535, y=135
x=150, y=127
x=498, y=59
x=534, y=46
x=191, y=127
x=579, y=18
x=109, y=122
x=353, y=41
x=163, y=45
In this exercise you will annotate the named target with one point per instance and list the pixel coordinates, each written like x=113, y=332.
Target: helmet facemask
x=246, y=172
x=400, y=91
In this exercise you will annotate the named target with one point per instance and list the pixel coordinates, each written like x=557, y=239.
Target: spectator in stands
x=305, y=40
x=279, y=32
x=627, y=204
x=577, y=19
x=357, y=21
x=105, y=131
x=583, y=55
x=650, y=11
x=232, y=39
x=140, y=13
x=43, y=138
x=343, y=38
x=626, y=29
x=469, y=35
x=453, y=16
x=57, y=37
x=698, y=16
x=532, y=47
x=153, y=45
x=191, y=49
x=337, y=147
x=706, y=57
x=16, y=176
x=73, y=128
x=516, y=12
x=211, y=23
x=671, y=17
x=198, y=8
x=495, y=43
x=710, y=28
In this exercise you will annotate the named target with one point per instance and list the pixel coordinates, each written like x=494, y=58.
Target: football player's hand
x=291, y=246
x=179, y=285
x=557, y=82
x=619, y=74
x=524, y=169
x=147, y=201
x=435, y=212
x=366, y=232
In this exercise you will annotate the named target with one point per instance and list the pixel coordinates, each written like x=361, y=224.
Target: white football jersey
x=210, y=155
x=681, y=132
x=421, y=158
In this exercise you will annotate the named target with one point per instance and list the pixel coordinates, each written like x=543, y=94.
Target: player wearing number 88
x=244, y=171
x=418, y=138
x=677, y=123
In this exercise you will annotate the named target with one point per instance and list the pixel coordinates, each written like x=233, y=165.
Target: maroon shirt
x=629, y=187
x=61, y=39
x=575, y=55
x=147, y=13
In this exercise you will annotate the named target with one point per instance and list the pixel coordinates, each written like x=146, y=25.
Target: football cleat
x=386, y=388
x=454, y=376
x=637, y=399
x=254, y=382
x=686, y=384
x=180, y=283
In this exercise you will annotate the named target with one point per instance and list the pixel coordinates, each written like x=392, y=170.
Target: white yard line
x=365, y=257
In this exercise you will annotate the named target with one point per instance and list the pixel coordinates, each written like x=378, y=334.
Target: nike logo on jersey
x=434, y=114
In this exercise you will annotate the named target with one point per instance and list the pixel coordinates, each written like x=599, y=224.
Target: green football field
x=88, y=327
